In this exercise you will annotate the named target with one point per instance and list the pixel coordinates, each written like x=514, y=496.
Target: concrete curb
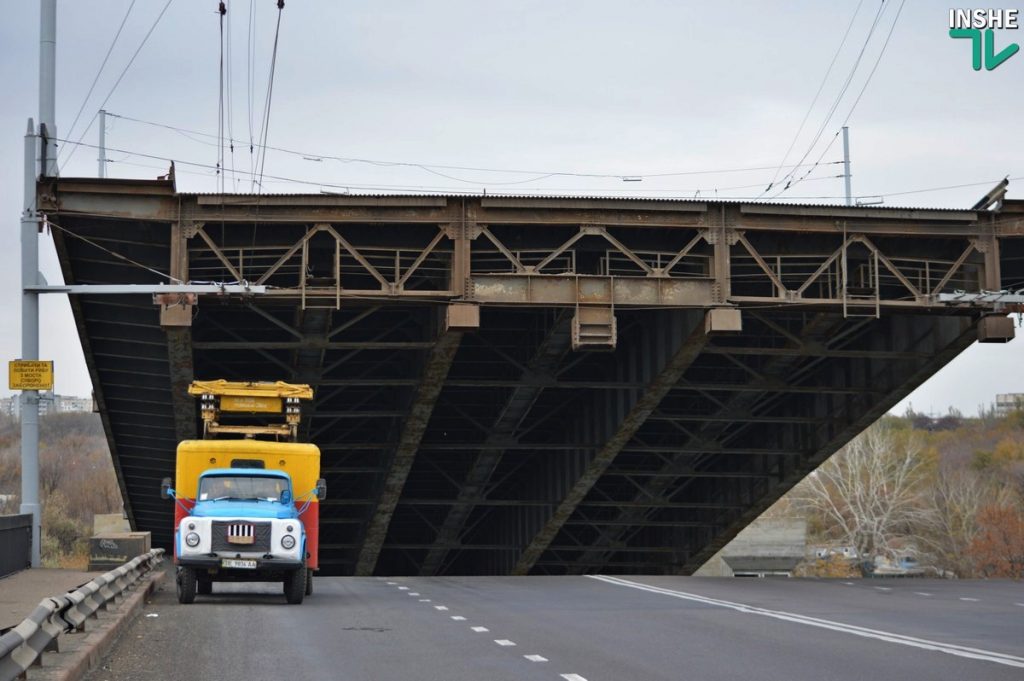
x=95, y=645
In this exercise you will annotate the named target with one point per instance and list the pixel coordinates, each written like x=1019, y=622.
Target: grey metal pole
x=103, y=144
x=30, y=345
x=846, y=165
x=30, y=260
x=48, y=82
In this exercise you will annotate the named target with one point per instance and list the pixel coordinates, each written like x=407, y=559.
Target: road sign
x=30, y=375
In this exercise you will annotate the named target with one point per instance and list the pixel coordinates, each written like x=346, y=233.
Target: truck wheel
x=295, y=586
x=204, y=587
x=309, y=582
x=186, y=585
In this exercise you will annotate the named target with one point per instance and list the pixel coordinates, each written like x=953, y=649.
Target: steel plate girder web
x=415, y=425
x=676, y=365
x=517, y=408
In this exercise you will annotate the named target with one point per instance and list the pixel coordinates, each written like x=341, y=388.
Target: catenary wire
x=344, y=186
x=131, y=61
x=817, y=94
x=424, y=166
x=856, y=101
x=74, y=123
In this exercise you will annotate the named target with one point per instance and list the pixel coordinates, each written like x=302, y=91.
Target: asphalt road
x=573, y=628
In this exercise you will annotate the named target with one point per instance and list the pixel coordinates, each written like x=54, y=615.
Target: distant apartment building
x=1009, y=402
x=49, y=403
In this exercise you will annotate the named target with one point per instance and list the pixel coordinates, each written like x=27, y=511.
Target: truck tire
x=309, y=582
x=186, y=585
x=295, y=586
x=204, y=587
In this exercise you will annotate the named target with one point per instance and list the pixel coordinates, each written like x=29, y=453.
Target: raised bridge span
x=514, y=385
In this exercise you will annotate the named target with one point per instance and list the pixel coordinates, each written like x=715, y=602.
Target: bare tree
x=955, y=497
x=868, y=493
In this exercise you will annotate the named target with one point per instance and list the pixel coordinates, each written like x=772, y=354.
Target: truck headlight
x=288, y=542
x=192, y=539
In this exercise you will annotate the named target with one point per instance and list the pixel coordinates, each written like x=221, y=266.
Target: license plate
x=238, y=563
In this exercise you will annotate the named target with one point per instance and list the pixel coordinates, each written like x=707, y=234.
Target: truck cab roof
x=250, y=472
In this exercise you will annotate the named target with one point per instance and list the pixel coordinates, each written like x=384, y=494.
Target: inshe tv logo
x=968, y=23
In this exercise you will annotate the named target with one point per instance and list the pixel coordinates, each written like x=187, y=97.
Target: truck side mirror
x=321, y=489
x=165, y=488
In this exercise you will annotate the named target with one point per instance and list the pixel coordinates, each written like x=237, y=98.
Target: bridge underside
x=512, y=386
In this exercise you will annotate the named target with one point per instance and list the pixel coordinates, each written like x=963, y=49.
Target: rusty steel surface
x=579, y=414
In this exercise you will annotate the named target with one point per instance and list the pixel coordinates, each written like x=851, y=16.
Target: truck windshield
x=241, y=487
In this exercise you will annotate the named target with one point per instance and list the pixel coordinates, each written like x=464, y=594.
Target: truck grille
x=240, y=536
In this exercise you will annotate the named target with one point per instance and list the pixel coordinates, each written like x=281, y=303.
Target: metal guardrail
x=23, y=646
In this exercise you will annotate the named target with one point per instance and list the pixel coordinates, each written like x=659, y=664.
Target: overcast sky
x=589, y=87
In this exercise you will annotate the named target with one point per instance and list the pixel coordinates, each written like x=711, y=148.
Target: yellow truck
x=247, y=497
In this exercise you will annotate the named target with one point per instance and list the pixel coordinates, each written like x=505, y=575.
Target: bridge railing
x=23, y=646
x=15, y=543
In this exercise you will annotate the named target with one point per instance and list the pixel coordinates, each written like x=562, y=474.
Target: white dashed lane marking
x=391, y=583
x=884, y=588
x=479, y=630
x=458, y=618
x=403, y=588
x=440, y=607
x=424, y=600
x=922, y=593
x=572, y=677
x=969, y=600
x=414, y=593
x=504, y=642
x=848, y=583
x=536, y=658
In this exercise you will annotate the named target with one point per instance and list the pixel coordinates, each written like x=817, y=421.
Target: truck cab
x=244, y=527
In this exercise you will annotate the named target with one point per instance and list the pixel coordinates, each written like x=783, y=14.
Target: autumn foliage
x=76, y=481
x=998, y=549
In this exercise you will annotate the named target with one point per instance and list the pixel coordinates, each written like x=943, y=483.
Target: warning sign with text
x=30, y=375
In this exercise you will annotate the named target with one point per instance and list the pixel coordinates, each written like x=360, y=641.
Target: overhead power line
x=814, y=100
x=863, y=89
x=788, y=177
x=99, y=72
x=265, y=129
x=119, y=79
x=429, y=167
x=336, y=185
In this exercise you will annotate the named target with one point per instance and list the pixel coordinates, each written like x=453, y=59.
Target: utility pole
x=103, y=144
x=846, y=165
x=30, y=259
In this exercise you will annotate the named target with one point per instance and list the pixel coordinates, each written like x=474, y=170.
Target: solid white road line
x=572, y=677
x=925, y=644
x=440, y=607
x=479, y=630
x=536, y=658
x=969, y=600
x=504, y=642
x=458, y=618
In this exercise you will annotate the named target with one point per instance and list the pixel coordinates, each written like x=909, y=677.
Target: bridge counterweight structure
x=524, y=384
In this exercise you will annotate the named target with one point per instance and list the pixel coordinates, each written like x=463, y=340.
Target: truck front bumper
x=263, y=564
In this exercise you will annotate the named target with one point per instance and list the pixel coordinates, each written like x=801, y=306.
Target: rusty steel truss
x=512, y=385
